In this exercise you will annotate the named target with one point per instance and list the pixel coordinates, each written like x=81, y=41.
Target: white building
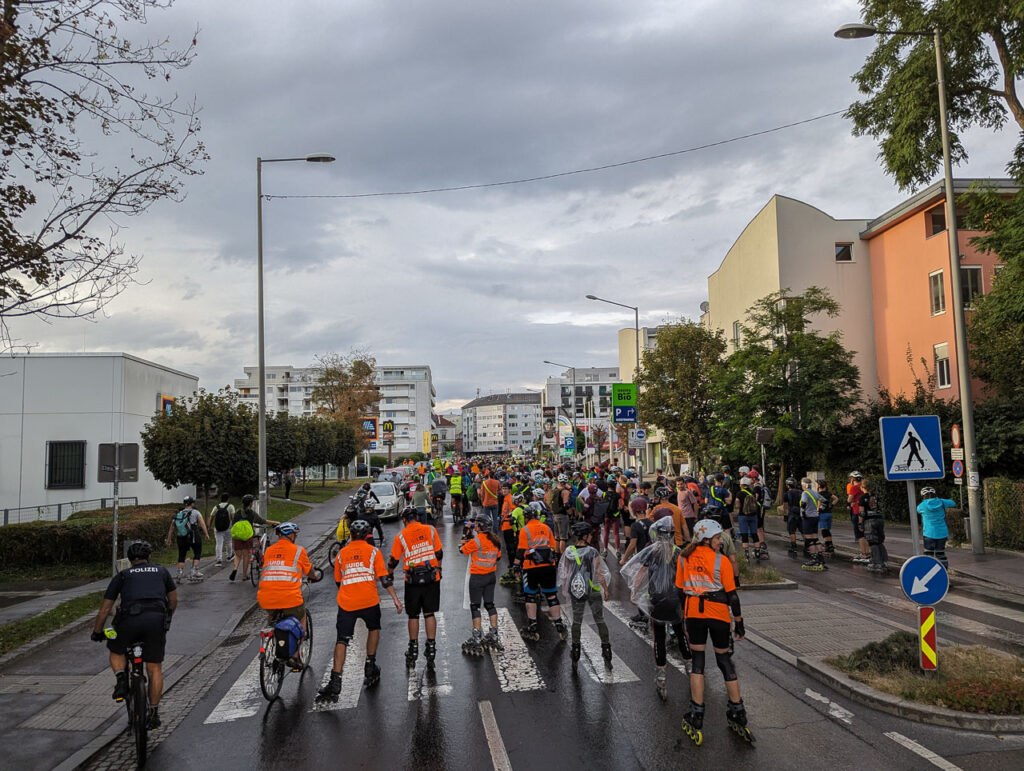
x=582, y=393
x=407, y=397
x=501, y=423
x=55, y=411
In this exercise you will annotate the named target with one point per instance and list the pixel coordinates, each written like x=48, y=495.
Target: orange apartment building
x=911, y=292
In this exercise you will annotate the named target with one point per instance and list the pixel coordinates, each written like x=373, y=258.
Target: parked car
x=361, y=471
x=390, y=506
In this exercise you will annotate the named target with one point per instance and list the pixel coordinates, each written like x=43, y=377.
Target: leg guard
x=428, y=615
x=698, y=662
x=660, y=633
x=725, y=664
x=552, y=600
x=489, y=607
x=346, y=641
x=826, y=533
x=474, y=609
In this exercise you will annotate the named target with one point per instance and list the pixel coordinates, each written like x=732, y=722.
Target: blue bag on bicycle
x=287, y=633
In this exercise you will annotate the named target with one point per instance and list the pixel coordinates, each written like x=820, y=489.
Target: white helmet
x=706, y=529
x=563, y=478
x=744, y=470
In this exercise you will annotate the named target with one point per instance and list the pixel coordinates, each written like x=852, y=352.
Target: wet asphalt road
x=567, y=721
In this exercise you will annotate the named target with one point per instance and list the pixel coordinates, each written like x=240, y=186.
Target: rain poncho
x=651, y=575
x=580, y=572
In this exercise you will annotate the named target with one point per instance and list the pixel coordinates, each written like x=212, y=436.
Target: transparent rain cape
x=651, y=576
x=573, y=576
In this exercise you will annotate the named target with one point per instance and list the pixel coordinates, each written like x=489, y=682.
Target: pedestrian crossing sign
x=912, y=448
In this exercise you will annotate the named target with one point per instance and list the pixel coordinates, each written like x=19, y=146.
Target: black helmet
x=139, y=550
x=359, y=529
x=725, y=469
x=366, y=485
x=350, y=510
x=409, y=513
x=663, y=493
x=790, y=482
x=189, y=500
x=247, y=500
x=581, y=529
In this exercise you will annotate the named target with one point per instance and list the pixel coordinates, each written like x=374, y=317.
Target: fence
x=58, y=512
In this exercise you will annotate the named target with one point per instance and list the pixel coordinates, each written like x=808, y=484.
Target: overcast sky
x=483, y=284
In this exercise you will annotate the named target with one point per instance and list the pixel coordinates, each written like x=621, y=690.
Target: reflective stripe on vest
x=486, y=559
x=456, y=485
x=357, y=573
x=420, y=553
x=289, y=573
x=542, y=540
x=695, y=584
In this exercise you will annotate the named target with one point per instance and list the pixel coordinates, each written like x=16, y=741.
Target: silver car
x=389, y=506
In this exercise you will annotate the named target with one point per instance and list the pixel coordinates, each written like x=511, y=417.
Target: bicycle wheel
x=306, y=644
x=333, y=553
x=271, y=674
x=140, y=717
x=254, y=570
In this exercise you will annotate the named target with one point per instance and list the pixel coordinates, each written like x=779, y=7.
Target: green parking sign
x=623, y=395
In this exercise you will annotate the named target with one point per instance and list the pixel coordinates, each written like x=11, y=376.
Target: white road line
x=514, y=666
x=243, y=698
x=985, y=607
x=924, y=752
x=499, y=757
x=834, y=710
x=421, y=682
x=351, y=675
x=465, y=592
x=593, y=662
x=622, y=612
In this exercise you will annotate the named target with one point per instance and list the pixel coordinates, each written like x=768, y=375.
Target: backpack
x=221, y=518
x=287, y=634
x=181, y=522
x=242, y=530
x=750, y=505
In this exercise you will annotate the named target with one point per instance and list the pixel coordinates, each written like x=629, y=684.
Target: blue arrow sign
x=924, y=580
x=912, y=447
x=624, y=414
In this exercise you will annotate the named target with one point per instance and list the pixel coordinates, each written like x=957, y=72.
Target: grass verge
x=18, y=633
x=752, y=575
x=317, y=493
x=969, y=679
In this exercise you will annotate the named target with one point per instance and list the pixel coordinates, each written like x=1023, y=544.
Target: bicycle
x=256, y=557
x=437, y=502
x=137, y=701
x=274, y=660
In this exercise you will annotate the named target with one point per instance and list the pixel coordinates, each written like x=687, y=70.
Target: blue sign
x=958, y=468
x=570, y=443
x=912, y=448
x=924, y=580
x=624, y=414
x=373, y=445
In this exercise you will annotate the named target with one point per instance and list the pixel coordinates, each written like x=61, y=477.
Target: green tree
x=318, y=444
x=345, y=444
x=788, y=377
x=207, y=439
x=676, y=385
x=285, y=439
x=73, y=87
x=983, y=42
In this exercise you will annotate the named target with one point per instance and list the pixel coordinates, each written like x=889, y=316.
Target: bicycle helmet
x=790, y=482
x=663, y=493
x=926, y=491
x=744, y=469
x=530, y=512
x=745, y=482
x=139, y=550
x=562, y=478
x=287, y=528
x=855, y=475
x=247, y=500
x=754, y=475
x=663, y=529
x=518, y=499
x=189, y=500
x=366, y=486
x=538, y=493
x=409, y=513
x=725, y=469
x=359, y=529
x=706, y=529
x=581, y=529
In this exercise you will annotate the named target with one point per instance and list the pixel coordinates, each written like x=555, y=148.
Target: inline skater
x=707, y=583
x=828, y=500
x=933, y=519
x=809, y=503
x=534, y=555
x=561, y=507
x=148, y=599
x=484, y=550
x=651, y=575
x=187, y=525
x=418, y=548
x=583, y=579
x=357, y=568
x=280, y=589
x=791, y=511
x=747, y=519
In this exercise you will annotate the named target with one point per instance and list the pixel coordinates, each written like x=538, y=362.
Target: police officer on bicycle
x=148, y=599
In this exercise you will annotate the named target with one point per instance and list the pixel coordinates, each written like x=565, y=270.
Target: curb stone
x=785, y=583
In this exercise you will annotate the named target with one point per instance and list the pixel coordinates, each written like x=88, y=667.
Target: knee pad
x=474, y=609
x=809, y=542
x=725, y=664
x=930, y=553
x=552, y=600
x=491, y=610
x=698, y=663
x=826, y=533
x=346, y=641
x=427, y=615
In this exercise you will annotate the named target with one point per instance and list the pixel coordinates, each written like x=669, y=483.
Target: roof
x=493, y=399
x=927, y=198
x=442, y=422
x=102, y=355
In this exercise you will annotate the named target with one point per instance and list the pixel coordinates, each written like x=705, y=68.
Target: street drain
x=233, y=640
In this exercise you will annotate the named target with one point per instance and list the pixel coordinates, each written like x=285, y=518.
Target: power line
x=589, y=170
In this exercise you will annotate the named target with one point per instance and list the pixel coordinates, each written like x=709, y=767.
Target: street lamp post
x=856, y=31
x=572, y=413
x=312, y=158
x=636, y=373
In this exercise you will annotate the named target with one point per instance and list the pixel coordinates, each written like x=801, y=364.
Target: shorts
x=347, y=621
x=146, y=628
x=241, y=544
x=748, y=524
x=809, y=526
x=825, y=521
x=185, y=543
x=793, y=524
x=422, y=598
x=760, y=520
x=543, y=579
x=275, y=614
x=561, y=527
x=698, y=629
x=858, y=526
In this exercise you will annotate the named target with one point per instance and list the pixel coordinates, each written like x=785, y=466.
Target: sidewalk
x=999, y=567
x=54, y=693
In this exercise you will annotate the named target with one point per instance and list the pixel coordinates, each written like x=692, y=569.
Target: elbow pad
x=387, y=581
x=734, y=603
x=392, y=564
x=440, y=555
x=520, y=554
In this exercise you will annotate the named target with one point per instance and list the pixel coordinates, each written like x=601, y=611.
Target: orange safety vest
x=356, y=576
x=281, y=579
x=483, y=559
x=422, y=552
x=701, y=578
x=489, y=496
x=536, y=538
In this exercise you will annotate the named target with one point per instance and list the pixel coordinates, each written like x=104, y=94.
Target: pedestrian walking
x=242, y=533
x=933, y=519
x=220, y=522
x=289, y=480
x=583, y=580
x=188, y=527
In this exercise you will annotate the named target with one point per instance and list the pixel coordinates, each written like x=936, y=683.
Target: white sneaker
x=197, y=574
x=219, y=563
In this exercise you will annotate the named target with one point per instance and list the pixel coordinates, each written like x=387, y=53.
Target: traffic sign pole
x=912, y=504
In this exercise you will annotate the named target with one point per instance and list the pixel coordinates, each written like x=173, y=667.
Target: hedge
x=83, y=539
x=1004, y=511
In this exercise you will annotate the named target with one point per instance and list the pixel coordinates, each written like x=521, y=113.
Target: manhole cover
x=234, y=639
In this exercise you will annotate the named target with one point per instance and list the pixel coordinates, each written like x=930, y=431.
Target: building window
x=391, y=414
x=844, y=252
x=736, y=335
x=937, y=292
x=970, y=284
x=935, y=220
x=942, y=378
x=389, y=401
x=65, y=465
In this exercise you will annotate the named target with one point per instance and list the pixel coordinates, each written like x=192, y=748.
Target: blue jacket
x=933, y=516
